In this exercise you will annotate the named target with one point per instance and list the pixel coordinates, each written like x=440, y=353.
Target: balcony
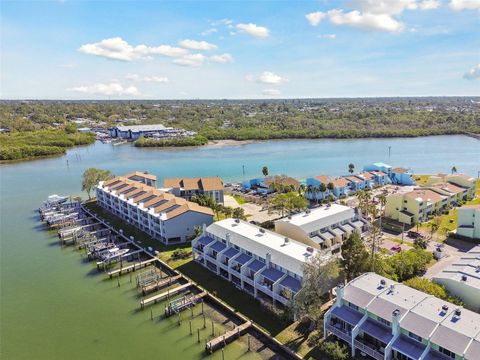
x=369, y=350
x=340, y=333
x=211, y=257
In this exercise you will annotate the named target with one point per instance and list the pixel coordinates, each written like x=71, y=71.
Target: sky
x=198, y=49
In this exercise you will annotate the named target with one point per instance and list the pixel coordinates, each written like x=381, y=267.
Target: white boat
x=113, y=253
x=55, y=199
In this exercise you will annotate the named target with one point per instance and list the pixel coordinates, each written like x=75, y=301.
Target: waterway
x=55, y=306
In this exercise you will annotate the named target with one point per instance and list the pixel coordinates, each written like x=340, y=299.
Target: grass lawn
x=421, y=179
x=239, y=199
x=239, y=300
x=296, y=336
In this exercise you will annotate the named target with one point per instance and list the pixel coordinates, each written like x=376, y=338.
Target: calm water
x=54, y=306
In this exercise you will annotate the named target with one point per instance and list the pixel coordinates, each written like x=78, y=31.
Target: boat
x=113, y=253
x=55, y=200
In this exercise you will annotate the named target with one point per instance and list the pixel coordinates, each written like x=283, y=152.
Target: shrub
x=334, y=350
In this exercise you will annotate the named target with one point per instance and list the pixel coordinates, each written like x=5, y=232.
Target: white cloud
x=429, y=4
x=197, y=45
x=271, y=92
x=254, y=30
x=458, y=5
x=389, y=7
x=113, y=88
x=193, y=60
x=327, y=36
x=268, y=77
x=473, y=73
x=223, y=58
x=136, y=77
x=208, y=31
x=118, y=49
x=314, y=18
x=366, y=21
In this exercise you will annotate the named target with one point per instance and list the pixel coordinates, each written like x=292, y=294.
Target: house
x=267, y=265
x=469, y=221
x=164, y=216
x=380, y=178
x=187, y=187
x=325, y=227
x=382, y=319
x=341, y=187
x=266, y=185
x=313, y=188
x=462, y=278
x=379, y=166
x=402, y=176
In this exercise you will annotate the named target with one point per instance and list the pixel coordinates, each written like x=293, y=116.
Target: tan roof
x=340, y=182
x=367, y=175
x=282, y=180
x=324, y=179
x=170, y=199
x=454, y=189
x=399, y=170
x=353, y=179
x=202, y=183
x=463, y=176
x=145, y=175
x=425, y=195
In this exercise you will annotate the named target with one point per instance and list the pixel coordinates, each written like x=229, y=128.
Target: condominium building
x=325, y=227
x=462, y=278
x=383, y=319
x=143, y=177
x=187, y=187
x=417, y=205
x=469, y=221
x=265, y=264
x=164, y=216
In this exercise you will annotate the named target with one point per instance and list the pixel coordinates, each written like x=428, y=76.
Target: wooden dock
x=157, y=285
x=164, y=295
x=229, y=336
x=131, y=268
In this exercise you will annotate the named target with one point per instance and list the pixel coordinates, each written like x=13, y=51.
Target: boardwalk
x=229, y=336
x=131, y=268
x=159, y=284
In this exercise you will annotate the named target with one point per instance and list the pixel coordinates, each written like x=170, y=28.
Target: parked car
x=414, y=234
x=396, y=249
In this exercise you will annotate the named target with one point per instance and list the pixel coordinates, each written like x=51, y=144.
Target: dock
x=160, y=283
x=164, y=295
x=229, y=336
x=183, y=303
x=131, y=268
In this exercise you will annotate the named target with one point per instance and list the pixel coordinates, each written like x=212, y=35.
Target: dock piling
x=248, y=341
x=151, y=314
x=204, y=324
x=198, y=335
x=213, y=329
x=190, y=324
x=118, y=281
x=223, y=354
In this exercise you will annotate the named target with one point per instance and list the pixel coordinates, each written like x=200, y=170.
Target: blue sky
x=238, y=49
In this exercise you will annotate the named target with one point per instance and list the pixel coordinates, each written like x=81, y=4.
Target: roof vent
x=286, y=241
x=237, y=221
x=458, y=312
x=392, y=287
x=445, y=308
x=262, y=230
x=464, y=277
x=477, y=269
x=310, y=249
x=383, y=282
x=289, y=217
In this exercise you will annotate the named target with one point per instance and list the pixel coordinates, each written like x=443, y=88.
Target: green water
x=55, y=306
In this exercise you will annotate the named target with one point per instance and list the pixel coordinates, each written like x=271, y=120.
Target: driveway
x=253, y=211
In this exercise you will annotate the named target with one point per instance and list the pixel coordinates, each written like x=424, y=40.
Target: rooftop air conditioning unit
x=286, y=241
x=392, y=287
x=289, y=217
x=383, y=282
x=310, y=249
x=445, y=307
x=262, y=231
x=237, y=221
x=458, y=312
x=464, y=277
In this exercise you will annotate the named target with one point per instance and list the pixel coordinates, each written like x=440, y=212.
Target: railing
x=368, y=350
x=340, y=333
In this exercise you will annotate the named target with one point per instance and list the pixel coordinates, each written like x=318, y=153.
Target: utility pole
x=389, y=152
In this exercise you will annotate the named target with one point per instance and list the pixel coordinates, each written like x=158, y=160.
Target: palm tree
x=302, y=189
x=322, y=188
x=454, y=170
x=434, y=226
x=265, y=171
x=382, y=199
x=351, y=168
x=228, y=210
x=330, y=186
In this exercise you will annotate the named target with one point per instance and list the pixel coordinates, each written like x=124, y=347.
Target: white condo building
x=265, y=264
x=462, y=278
x=164, y=216
x=384, y=320
x=325, y=227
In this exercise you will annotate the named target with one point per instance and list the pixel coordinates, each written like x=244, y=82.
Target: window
x=353, y=306
x=383, y=321
x=414, y=336
x=249, y=253
x=446, y=352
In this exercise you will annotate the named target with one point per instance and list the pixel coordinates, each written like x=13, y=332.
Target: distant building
x=262, y=263
x=462, y=278
x=143, y=177
x=164, y=216
x=264, y=185
x=397, y=175
x=469, y=221
x=133, y=132
x=325, y=227
x=382, y=319
x=187, y=187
